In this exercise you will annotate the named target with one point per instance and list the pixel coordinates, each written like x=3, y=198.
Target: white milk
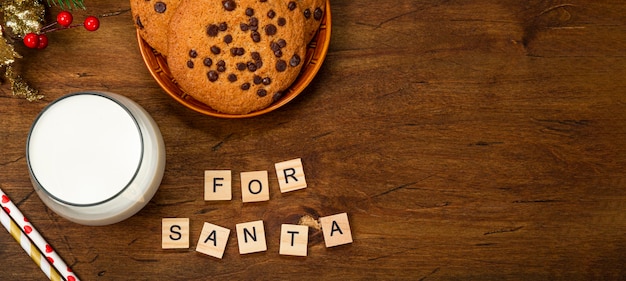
x=95, y=158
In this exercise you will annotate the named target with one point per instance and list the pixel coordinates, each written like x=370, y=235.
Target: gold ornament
x=20, y=17
x=23, y=16
x=20, y=88
x=7, y=53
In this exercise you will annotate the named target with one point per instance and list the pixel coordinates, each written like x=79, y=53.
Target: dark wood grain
x=465, y=139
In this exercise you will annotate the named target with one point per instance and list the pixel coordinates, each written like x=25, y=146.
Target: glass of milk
x=95, y=158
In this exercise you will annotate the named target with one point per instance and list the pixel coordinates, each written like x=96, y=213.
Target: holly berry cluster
x=64, y=19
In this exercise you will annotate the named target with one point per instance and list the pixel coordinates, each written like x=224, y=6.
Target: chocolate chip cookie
x=313, y=11
x=237, y=56
x=152, y=18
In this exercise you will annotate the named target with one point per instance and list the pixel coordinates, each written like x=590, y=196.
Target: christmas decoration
x=64, y=19
x=67, y=4
x=23, y=19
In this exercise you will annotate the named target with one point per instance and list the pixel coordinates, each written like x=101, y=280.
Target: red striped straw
x=28, y=247
x=27, y=229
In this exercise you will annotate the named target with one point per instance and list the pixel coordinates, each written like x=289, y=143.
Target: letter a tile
x=336, y=230
x=290, y=175
x=213, y=240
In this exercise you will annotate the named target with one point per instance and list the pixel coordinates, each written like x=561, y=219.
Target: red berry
x=43, y=41
x=65, y=18
x=31, y=40
x=91, y=23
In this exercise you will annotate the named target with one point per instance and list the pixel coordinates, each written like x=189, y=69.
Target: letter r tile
x=290, y=175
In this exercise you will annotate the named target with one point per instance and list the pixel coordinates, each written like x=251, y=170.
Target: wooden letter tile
x=213, y=240
x=255, y=186
x=175, y=233
x=217, y=185
x=294, y=240
x=290, y=175
x=336, y=230
x=251, y=237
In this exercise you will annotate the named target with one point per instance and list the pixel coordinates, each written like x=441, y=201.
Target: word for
x=251, y=236
x=255, y=184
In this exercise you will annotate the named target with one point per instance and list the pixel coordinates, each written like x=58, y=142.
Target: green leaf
x=67, y=4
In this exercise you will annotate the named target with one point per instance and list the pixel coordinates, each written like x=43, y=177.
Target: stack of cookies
x=236, y=56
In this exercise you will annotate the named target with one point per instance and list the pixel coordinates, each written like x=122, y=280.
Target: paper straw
x=29, y=230
x=28, y=247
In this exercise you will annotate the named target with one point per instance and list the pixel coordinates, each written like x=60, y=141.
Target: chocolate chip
x=257, y=79
x=292, y=5
x=307, y=13
x=212, y=75
x=261, y=92
x=317, y=15
x=241, y=66
x=263, y=1
x=249, y=12
x=229, y=5
x=253, y=21
x=270, y=29
x=256, y=36
x=232, y=77
x=251, y=66
x=281, y=42
x=212, y=30
x=271, y=14
x=277, y=96
x=282, y=21
x=207, y=62
x=258, y=64
x=281, y=65
x=193, y=53
x=245, y=86
x=267, y=81
x=190, y=64
x=254, y=27
x=255, y=55
x=237, y=51
x=295, y=60
x=160, y=7
x=223, y=26
x=228, y=38
x=274, y=46
x=221, y=66
x=215, y=49
x=139, y=24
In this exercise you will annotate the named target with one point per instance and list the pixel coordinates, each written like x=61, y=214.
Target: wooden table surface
x=477, y=140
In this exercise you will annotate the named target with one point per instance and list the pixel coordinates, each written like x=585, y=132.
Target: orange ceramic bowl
x=315, y=55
